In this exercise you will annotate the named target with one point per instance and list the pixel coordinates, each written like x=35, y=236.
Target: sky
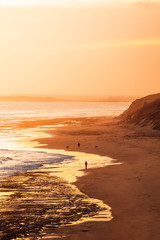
x=86, y=47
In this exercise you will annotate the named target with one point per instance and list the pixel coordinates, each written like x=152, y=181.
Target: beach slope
x=130, y=189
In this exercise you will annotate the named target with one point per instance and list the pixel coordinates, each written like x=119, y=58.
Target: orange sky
x=79, y=47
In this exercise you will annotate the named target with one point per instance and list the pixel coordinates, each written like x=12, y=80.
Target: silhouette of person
x=79, y=144
x=86, y=164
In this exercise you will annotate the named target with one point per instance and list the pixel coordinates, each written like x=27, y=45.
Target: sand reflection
x=41, y=203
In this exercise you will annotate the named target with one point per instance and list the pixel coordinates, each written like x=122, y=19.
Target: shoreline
x=130, y=189
x=39, y=203
x=18, y=192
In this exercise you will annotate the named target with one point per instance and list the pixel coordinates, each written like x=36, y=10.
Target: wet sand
x=131, y=189
x=35, y=204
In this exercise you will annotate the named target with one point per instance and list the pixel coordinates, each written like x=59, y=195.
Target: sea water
x=12, y=159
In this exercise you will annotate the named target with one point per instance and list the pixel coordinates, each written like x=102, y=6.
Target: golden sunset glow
x=79, y=47
x=65, y=2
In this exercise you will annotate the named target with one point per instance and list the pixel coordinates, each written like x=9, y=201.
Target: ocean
x=15, y=111
x=14, y=158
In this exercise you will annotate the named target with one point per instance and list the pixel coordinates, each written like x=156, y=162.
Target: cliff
x=144, y=112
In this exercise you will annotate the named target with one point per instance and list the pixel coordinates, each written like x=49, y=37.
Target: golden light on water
x=68, y=169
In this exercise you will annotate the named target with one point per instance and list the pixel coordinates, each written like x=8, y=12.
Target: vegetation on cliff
x=144, y=112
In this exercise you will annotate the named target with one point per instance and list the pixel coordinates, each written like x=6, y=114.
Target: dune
x=144, y=112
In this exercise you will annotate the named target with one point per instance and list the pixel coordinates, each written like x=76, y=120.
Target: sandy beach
x=130, y=189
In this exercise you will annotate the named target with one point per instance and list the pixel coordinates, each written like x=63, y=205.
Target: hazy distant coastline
x=66, y=98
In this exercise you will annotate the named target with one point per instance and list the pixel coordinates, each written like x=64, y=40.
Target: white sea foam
x=13, y=161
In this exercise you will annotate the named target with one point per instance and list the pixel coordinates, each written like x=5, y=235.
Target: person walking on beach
x=86, y=165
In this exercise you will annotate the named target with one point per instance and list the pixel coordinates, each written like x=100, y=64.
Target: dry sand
x=130, y=189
